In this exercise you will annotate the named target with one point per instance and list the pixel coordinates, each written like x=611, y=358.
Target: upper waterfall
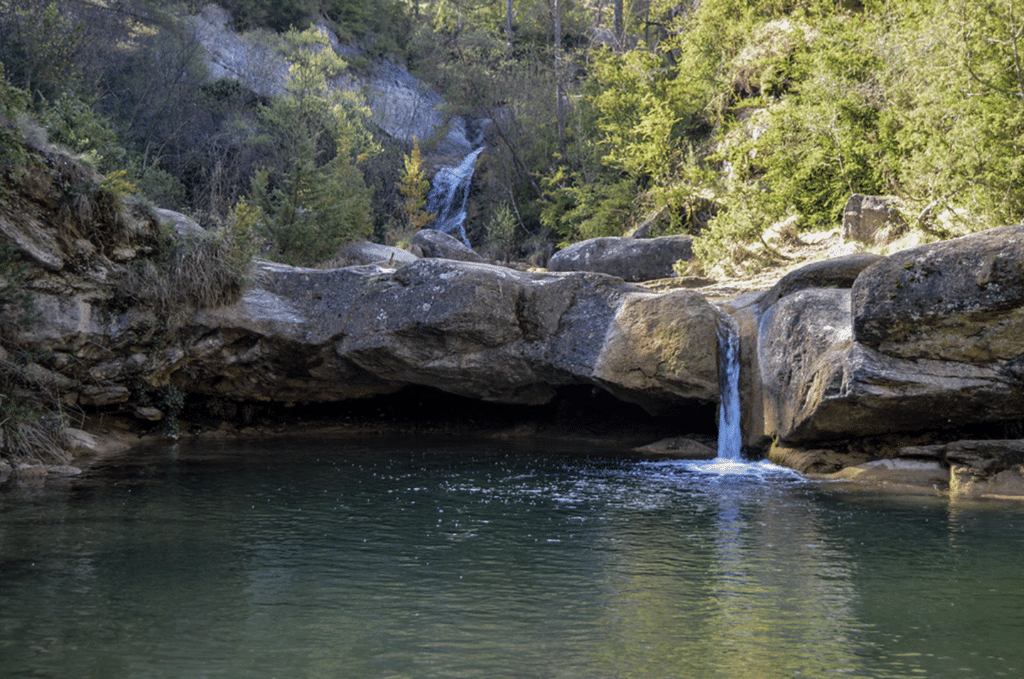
x=449, y=192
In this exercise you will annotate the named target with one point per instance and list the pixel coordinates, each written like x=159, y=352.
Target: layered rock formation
x=325, y=335
x=926, y=340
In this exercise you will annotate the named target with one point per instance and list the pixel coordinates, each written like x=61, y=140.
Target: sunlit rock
x=979, y=468
x=929, y=474
x=866, y=216
x=821, y=385
x=960, y=300
x=661, y=348
x=928, y=338
x=837, y=272
x=631, y=259
x=472, y=329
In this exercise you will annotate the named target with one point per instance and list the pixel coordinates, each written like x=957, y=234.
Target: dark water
x=332, y=559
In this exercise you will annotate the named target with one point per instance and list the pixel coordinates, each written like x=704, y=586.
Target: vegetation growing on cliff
x=312, y=195
x=729, y=116
x=31, y=414
x=81, y=220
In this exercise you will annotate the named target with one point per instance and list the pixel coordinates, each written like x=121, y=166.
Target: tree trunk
x=618, y=28
x=508, y=23
x=556, y=11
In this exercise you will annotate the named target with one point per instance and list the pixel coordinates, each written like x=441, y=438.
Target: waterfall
x=730, y=436
x=448, y=195
x=730, y=462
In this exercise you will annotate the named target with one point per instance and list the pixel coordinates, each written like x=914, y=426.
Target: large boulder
x=865, y=216
x=837, y=272
x=959, y=300
x=363, y=252
x=471, y=329
x=439, y=245
x=819, y=384
x=660, y=349
x=277, y=342
x=747, y=311
x=928, y=338
x=631, y=259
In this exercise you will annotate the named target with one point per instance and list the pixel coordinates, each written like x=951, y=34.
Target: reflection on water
x=331, y=559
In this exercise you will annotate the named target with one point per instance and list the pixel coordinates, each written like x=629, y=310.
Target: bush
x=502, y=238
x=195, y=270
x=32, y=419
x=581, y=209
x=76, y=126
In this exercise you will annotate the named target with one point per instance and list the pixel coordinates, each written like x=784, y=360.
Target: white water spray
x=730, y=462
x=730, y=435
x=448, y=195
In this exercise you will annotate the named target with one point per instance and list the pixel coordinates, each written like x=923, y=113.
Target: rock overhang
x=474, y=329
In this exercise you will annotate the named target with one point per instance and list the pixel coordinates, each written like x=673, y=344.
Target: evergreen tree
x=313, y=197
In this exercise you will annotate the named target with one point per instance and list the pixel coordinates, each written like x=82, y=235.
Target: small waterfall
x=730, y=436
x=730, y=462
x=448, y=195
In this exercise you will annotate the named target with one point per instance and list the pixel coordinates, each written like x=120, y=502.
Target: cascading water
x=730, y=436
x=448, y=195
x=730, y=463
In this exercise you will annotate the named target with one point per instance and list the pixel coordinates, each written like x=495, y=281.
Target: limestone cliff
x=401, y=105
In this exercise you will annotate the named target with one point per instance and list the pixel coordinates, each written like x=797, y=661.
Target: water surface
x=346, y=559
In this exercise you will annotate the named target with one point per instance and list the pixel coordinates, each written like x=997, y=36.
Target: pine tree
x=314, y=197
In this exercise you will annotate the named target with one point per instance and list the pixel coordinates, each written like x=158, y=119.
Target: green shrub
x=579, y=209
x=502, y=237
x=76, y=126
x=194, y=270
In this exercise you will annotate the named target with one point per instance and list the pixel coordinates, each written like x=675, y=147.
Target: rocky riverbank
x=905, y=368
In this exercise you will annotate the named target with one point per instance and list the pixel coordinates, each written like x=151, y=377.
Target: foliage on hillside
x=777, y=109
x=125, y=88
x=728, y=116
x=59, y=209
